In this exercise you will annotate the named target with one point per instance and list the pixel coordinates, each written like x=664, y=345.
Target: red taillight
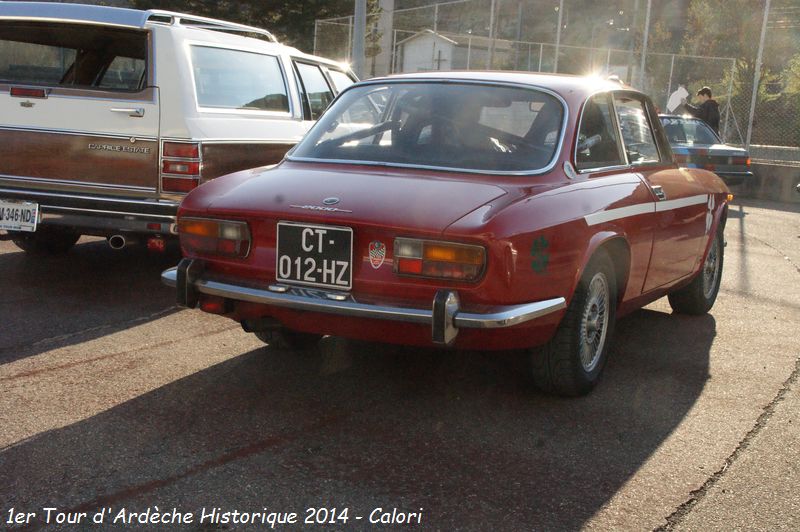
x=23, y=92
x=181, y=166
x=680, y=159
x=179, y=184
x=429, y=258
x=185, y=150
x=214, y=237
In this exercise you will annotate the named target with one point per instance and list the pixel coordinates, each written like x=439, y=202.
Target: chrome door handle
x=137, y=112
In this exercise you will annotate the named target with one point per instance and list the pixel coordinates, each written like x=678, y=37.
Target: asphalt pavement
x=116, y=404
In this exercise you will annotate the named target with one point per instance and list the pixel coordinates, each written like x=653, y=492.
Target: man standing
x=707, y=111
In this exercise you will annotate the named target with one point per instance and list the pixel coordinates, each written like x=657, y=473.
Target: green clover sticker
x=539, y=255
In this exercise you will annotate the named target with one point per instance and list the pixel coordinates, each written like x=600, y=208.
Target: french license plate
x=18, y=215
x=315, y=255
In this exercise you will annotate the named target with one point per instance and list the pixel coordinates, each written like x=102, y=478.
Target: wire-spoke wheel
x=572, y=362
x=698, y=296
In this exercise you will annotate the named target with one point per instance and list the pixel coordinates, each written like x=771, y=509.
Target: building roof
x=427, y=32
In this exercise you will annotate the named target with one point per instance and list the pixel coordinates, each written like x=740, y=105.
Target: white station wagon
x=109, y=116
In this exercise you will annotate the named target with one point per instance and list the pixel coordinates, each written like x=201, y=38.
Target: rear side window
x=235, y=79
x=340, y=80
x=598, y=142
x=637, y=134
x=315, y=87
x=72, y=55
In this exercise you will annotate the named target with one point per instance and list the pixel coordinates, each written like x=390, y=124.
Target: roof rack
x=153, y=15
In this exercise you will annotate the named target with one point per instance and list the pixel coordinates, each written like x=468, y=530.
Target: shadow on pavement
x=365, y=425
x=92, y=291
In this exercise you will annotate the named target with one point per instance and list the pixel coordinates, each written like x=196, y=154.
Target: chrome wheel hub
x=594, y=322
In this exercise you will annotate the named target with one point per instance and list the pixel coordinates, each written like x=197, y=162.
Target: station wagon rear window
x=240, y=80
x=469, y=126
x=72, y=55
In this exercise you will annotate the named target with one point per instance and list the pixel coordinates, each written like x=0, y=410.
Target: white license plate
x=18, y=215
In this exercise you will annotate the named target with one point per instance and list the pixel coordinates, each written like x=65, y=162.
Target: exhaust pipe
x=117, y=242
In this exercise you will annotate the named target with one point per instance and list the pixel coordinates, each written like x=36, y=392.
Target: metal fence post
x=757, y=75
x=644, y=45
x=669, y=85
x=469, y=50
x=558, y=36
x=529, y=57
x=541, y=50
x=728, y=107
x=349, y=39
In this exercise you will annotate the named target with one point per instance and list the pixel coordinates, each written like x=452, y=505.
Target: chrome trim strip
x=78, y=133
x=65, y=182
x=454, y=81
x=150, y=203
x=505, y=316
x=165, y=217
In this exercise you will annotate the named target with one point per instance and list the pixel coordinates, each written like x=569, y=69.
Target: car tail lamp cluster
x=740, y=161
x=181, y=166
x=680, y=159
x=225, y=238
x=429, y=258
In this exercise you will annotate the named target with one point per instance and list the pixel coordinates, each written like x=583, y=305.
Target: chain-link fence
x=466, y=34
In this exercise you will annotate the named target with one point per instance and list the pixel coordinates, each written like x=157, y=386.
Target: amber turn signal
x=430, y=258
x=214, y=237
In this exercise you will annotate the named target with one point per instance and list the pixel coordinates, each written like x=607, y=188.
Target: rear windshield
x=72, y=55
x=688, y=131
x=472, y=127
x=235, y=79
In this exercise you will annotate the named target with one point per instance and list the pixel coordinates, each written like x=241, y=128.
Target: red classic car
x=479, y=210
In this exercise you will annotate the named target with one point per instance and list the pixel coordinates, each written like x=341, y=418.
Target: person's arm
x=692, y=109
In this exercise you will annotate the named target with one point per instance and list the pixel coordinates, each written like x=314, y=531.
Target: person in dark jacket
x=707, y=111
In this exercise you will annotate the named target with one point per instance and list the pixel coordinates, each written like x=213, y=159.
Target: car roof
x=118, y=16
x=560, y=83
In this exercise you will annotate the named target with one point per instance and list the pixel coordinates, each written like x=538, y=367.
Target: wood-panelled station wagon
x=479, y=210
x=109, y=116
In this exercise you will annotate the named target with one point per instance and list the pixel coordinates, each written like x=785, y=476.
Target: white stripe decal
x=622, y=212
x=643, y=208
x=683, y=202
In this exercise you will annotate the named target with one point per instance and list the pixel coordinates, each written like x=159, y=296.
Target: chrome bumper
x=444, y=316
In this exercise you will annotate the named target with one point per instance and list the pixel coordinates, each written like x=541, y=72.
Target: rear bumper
x=444, y=315
x=98, y=214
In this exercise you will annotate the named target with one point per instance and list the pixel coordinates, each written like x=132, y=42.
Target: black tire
x=698, y=297
x=46, y=241
x=571, y=363
x=289, y=339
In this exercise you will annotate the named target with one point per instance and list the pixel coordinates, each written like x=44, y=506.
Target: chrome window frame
x=649, y=112
x=451, y=81
x=614, y=124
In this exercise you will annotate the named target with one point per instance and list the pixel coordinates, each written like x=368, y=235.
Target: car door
x=78, y=111
x=680, y=202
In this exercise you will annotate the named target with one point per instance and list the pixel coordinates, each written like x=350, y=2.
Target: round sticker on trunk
x=377, y=253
